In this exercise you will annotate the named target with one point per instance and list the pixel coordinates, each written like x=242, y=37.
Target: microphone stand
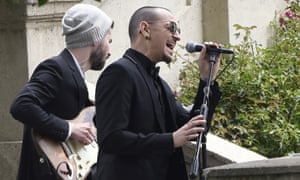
x=199, y=164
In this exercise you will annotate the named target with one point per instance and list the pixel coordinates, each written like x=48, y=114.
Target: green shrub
x=260, y=105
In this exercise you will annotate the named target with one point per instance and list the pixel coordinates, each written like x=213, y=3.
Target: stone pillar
x=13, y=73
x=28, y=33
x=215, y=21
x=219, y=17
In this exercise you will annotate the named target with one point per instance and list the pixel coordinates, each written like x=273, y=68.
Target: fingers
x=83, y=132
x=89, y=136
x=191, y=137
x=215, y=45
x=195, y=121
x=204, y=61
x=195, y=126
x=189, y=131
x=193, y=133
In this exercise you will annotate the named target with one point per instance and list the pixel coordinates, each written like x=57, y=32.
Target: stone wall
x=285, y=168
x=220, y=152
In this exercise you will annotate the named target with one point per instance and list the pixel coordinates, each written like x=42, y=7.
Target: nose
x=176, y=36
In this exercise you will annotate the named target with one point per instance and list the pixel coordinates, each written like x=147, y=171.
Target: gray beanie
x=84, y=24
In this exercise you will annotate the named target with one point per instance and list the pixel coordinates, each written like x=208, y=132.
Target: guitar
x=72, y=160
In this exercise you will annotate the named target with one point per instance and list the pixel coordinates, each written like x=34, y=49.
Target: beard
x=98, y=59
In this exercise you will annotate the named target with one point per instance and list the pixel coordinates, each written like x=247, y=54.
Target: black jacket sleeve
x=214, y=97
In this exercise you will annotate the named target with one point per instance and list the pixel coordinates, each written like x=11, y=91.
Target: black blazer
x=134, y=144
x=55, y=92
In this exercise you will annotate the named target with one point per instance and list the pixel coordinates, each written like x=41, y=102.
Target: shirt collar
x=146, y=63
x=77, y=64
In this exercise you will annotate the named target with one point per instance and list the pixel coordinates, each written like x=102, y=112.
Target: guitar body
x=72, y=160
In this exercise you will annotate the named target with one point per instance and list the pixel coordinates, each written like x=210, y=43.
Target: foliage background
x=260, y=105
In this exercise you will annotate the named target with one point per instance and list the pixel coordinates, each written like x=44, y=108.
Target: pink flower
x=281, y=21
x=289, y=14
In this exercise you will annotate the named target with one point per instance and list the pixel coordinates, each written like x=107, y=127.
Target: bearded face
x=98, y=58
x=100, y=55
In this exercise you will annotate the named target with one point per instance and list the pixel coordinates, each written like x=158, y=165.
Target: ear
x=145, y=30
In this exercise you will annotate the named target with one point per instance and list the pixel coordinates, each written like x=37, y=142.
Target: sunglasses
x=172, y=26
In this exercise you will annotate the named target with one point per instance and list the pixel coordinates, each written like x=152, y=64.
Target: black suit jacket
x=135, y=143
x=55, y=92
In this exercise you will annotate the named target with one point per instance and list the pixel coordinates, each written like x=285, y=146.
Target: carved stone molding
x=52, y=11
x=49, y=1
x=19, y=15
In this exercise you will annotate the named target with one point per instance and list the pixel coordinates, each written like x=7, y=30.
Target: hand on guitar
x=73, y=158
x=83, y=132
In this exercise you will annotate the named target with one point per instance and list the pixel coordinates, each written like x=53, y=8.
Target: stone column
x=215, y=21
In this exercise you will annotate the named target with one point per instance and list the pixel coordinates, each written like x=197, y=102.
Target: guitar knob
x=42, y=160
x=80, y=176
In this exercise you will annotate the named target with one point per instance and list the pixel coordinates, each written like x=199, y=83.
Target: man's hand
x=189, y=131
x=204, y=64
x=83, y=132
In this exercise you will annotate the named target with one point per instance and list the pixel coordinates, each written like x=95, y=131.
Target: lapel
x=170, y=109
x=82, y=91
x=151, y=89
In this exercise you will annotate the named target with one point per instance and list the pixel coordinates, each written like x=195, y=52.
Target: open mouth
x=170, y=45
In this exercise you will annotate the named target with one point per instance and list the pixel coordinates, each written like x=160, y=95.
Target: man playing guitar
x=50, y=102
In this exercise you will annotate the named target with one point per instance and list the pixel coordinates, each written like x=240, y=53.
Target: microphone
x=194, y=47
